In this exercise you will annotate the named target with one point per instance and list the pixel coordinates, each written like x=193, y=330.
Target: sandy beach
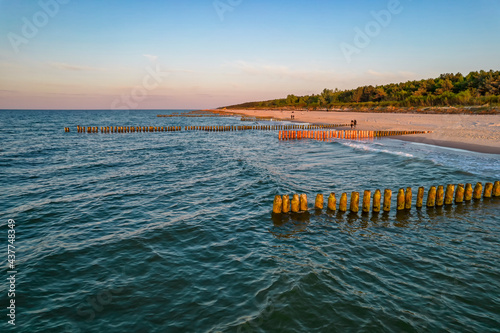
x=480, y=133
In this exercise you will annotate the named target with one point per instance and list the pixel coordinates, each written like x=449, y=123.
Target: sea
x=173, y=232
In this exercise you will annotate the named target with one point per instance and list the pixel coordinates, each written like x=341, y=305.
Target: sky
x=123, y=54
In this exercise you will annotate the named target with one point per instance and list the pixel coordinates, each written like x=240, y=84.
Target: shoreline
x=438, y=110
x=449, y=144
x=477, y=133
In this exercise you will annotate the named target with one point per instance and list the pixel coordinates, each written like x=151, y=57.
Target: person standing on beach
x=352, y=123
x=355, y=123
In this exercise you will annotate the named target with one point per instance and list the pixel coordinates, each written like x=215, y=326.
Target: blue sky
x=188, y=54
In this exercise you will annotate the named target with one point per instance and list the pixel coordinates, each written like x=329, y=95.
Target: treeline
x=477, y=88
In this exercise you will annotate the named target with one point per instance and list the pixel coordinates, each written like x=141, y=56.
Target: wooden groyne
x=194, y=116
x=200, y=113
x=436, y=197
x=258, y=127
x=127, y=129
x=148, y=129
x=258, y=119
x=342, y=134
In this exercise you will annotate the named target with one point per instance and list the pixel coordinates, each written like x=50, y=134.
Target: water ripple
x=167, y=232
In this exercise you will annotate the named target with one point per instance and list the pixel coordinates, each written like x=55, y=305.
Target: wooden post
x=478, y=190
x=295, y=203
x=488, y=189
x=286, y=203
x=343, y=202
x=366, y=201
x=332, y=202
x=496, y=189
x=303, y=202
x=459, y=194
x=420, y=197
x=440, y=196
x=354, y=207
x=318, y=203
x=408, y=198
x=448, y=197
x=277, y=205
x=468, y=192
x=431, y=197
x=387, y=200
x=401, y=199
x=376, y=201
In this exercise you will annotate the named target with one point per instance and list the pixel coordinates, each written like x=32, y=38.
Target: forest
x=477, y=88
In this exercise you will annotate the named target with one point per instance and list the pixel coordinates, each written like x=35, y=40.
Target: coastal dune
x=480, y=133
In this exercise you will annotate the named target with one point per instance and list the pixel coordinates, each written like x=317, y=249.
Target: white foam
x=370, y=147
x=465, y=161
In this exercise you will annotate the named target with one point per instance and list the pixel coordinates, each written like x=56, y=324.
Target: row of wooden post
x=126, y=129
x=347, y=134
x=138, y=129
x=436, y=197
x=66, y=129
x=193, y=116
x=257, y=119
x=258, y=127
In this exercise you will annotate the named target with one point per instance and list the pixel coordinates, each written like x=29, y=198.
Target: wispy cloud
x=283, y=72
x=185, y=71
x=150, y=57
x=70, y=67
x=11, y=65
x=3, y=91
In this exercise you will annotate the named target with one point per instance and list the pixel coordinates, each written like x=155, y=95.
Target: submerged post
x=459, y=194
x=343, y=202
x=387, y=200
x=295, y=203
x=431, y=197
x=468, y=192
x=420, y=197
x=376, y=201
x=478, y=190
x=488, y=189
x=496, y=189
x=354, y=207
x=332, y=202
x=366, y=201
x=318, y=203
x=448, y=197
x=408, y=198
x=303, y=202
x=440, y=196
x=401, y=199
x=277, y=205
x=286, y=203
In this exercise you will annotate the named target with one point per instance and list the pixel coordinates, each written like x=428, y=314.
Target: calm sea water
x=172, y=232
